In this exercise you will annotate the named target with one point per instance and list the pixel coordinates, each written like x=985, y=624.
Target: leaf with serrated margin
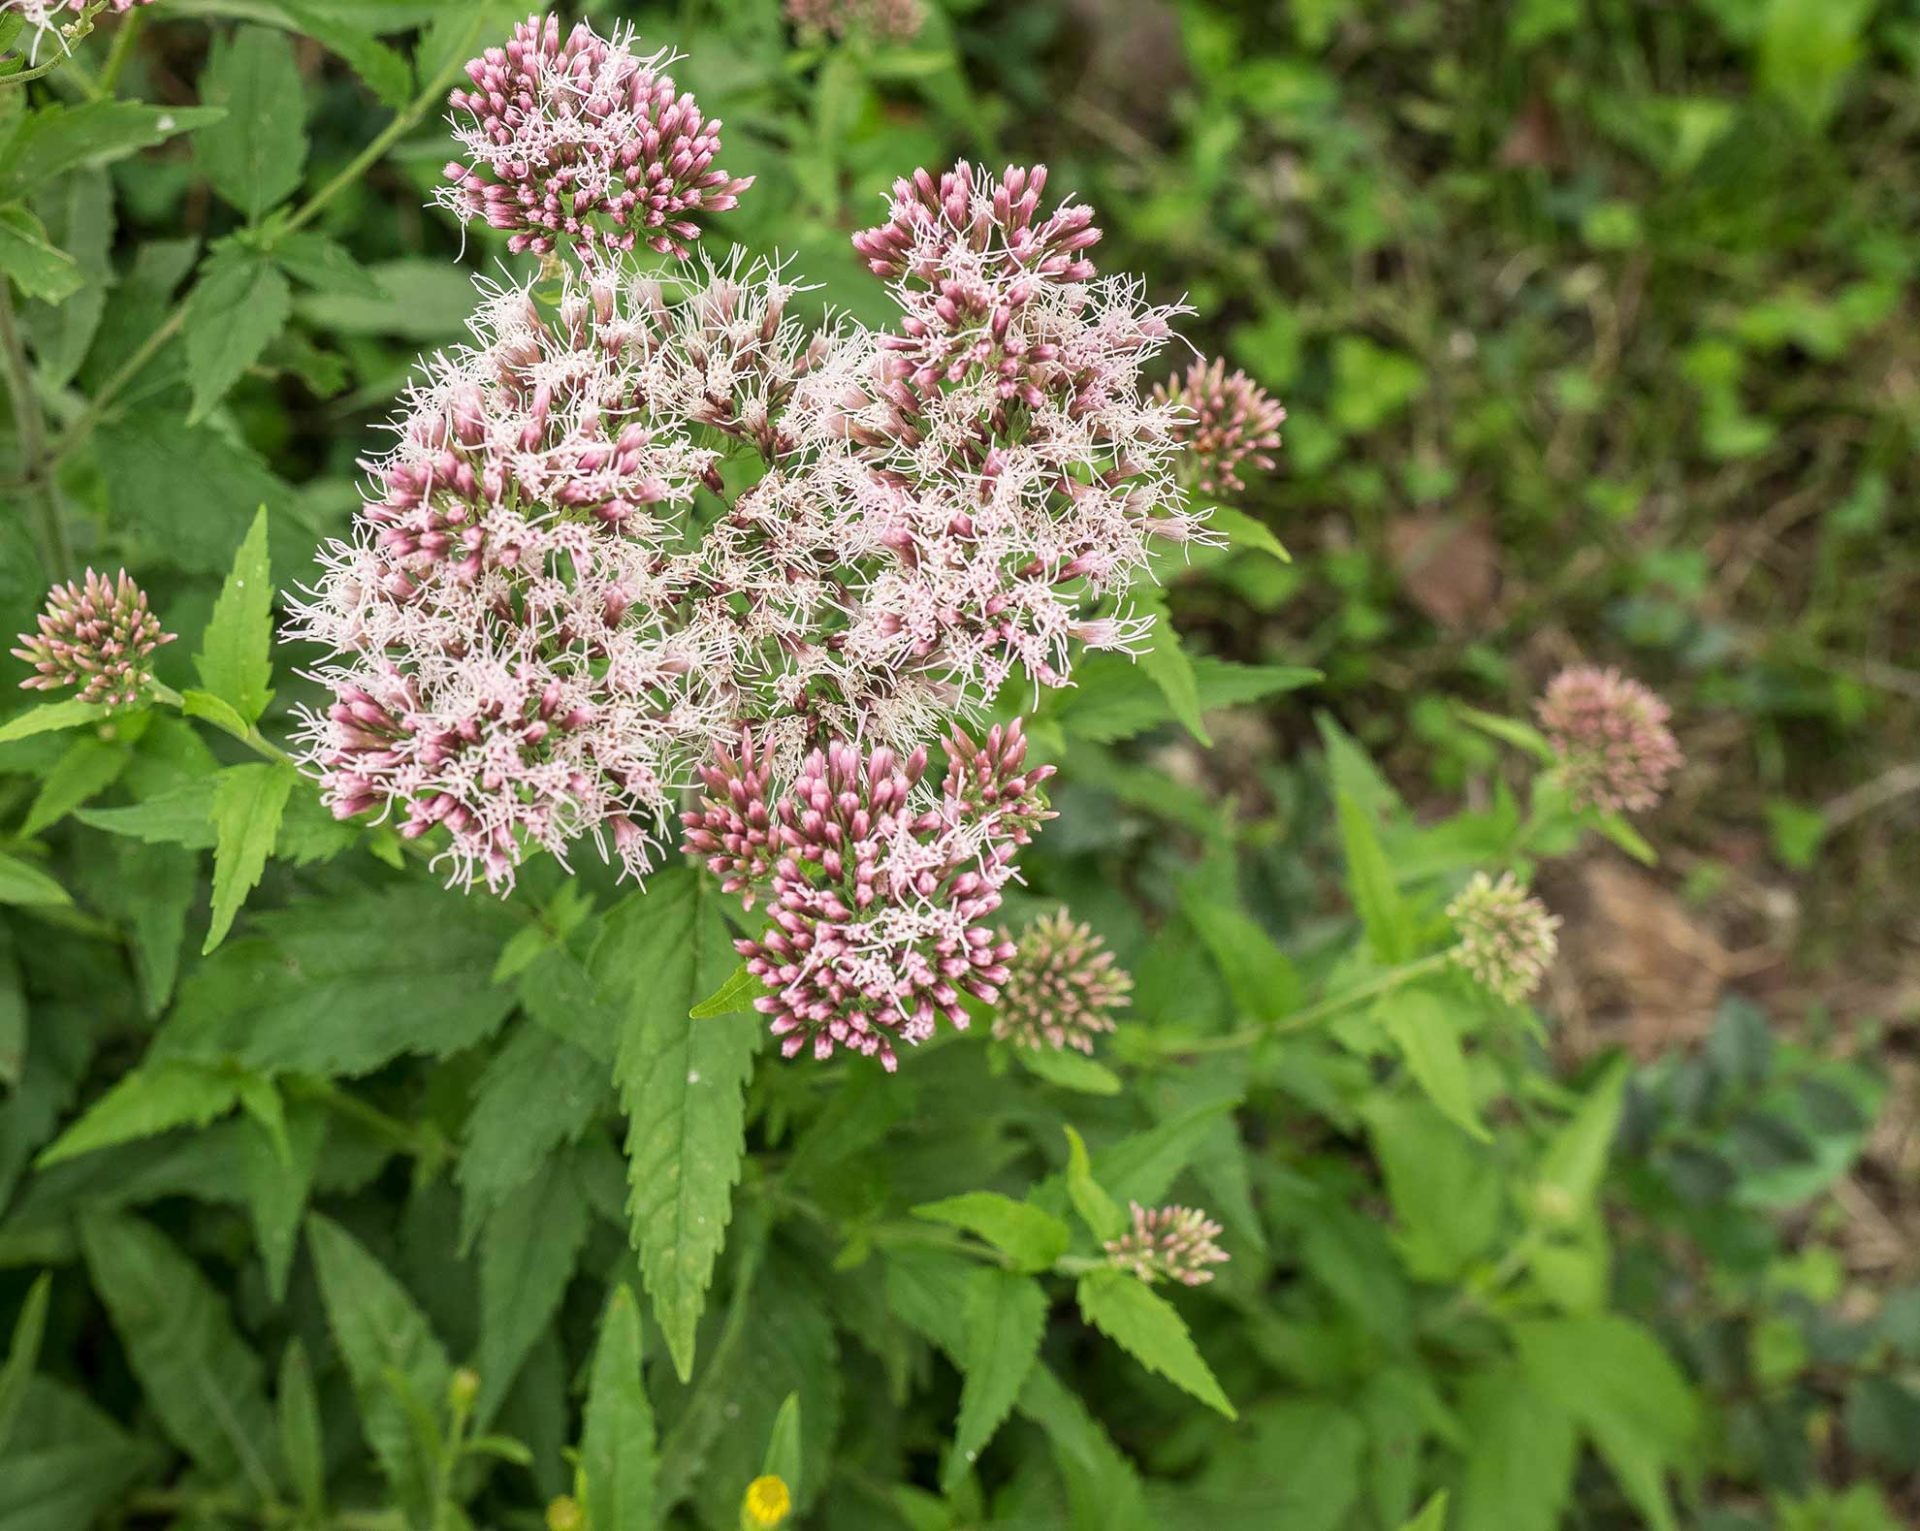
x=681, y=1082
x=38, y=267
x=617, y=1442
x=203, y=1381
x=23, y=883
x=152, y=1099
x=236, y=310
x=1005, y=1318
x=235, y=661
x=1031, y=1237
x=56, y=139
x=1151, y=1330
x=382, y=1336
x=247, y=803
x=255, y=154
x=49, y=717
x=527, y=1254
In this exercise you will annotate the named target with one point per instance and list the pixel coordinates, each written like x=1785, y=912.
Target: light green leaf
x=1069, y=1070
x=1575, y=1160
x=235, y=661
x=734, y=997
x=1245, y=532
x=49, y=717
x=1005, y=1318
x=1259, y=976
x=1432, y=1517
x=29, y=256
x=279, y=1163
x=182, y=815
x=783, y=1458
x=1807, y=50
x=537, y=1095
x=239, y=305
x=1169, y=667
x=203, y=1381
x=381, y=1333
x=254, y=156
x=89, y=766
x=1446, y=1193
x=325, y=264
x=1113, y=698
x=301, y=1444
x=1520, y=1455
x=338, y=986
x=57, y=139
x=1376, y=897
x=154, y=1098
x=1031, y=1238
x=1151, y=1330
x=1418, y=1021
x=386, y=73
x=421, y=299
x=218, y=711
x=528, y=1250
x=617, y=1441
x=21, y=883
x=1612, y=1378
x=1522, y=736
x=681, y=1082
x=23, y=1354
x=247, y=803
x=1099, y=1211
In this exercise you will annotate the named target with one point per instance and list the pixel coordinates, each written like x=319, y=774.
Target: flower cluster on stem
x=1062, y=986
x=1170, y=1244
x=95, y=633
x=1610, y=733
x=894, y=21
x=879, y=892
x=1231, y=422
x=1505, y=937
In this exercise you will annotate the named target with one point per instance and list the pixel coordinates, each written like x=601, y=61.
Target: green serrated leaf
x=22, y=883
x=1099, y=1211
x=1167, y=664
x=617, y=1441
x=57, y=139
x=681, y=1082
x=1032, y=1238
x=202, y=1380
x=238, y=307
x=1005, y=1318
x=734, y=997
x=325, y=265
x=528, y=1250
x=235, y=661
x=89, y=766
x=1418, y=1021
x=152, y=1099
x=28, y=255
x=1245, y=532
x=49, y=717
x=381, y=1334
x=255, y=154
x=1069, y=1070
x=182, y=815
x=1150, y=1329
x=247, y=803
x=1376, y=897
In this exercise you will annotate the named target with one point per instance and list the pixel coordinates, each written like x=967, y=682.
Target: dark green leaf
x=1005, y=1317
x=1150, y=1329
x=617, y=1443
x=239, y=305
x=255, y=154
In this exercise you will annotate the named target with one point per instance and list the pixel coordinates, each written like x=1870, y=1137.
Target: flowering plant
x=724, y=974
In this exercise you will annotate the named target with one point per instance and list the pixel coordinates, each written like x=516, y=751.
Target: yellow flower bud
x=565, y=1514
x=767, y=1503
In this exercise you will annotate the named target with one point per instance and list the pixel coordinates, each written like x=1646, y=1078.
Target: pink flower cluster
x=878, y=896
x=584, y=142
x=96, y=634
x=629, y=523
x=1505, y=938
x=1062, y=987
x=889, y=20
x=1231, y=420
x=1616, y=751
x=1168, y=1243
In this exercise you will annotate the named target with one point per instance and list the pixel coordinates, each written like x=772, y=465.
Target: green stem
x=30, y=422
x=120, y=52
x=1300, y=1020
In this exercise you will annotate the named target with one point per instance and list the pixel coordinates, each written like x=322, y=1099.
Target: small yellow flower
x=565, y=1514
x=767, y=1502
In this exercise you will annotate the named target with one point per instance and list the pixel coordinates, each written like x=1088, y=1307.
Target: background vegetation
x=1593, y=320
